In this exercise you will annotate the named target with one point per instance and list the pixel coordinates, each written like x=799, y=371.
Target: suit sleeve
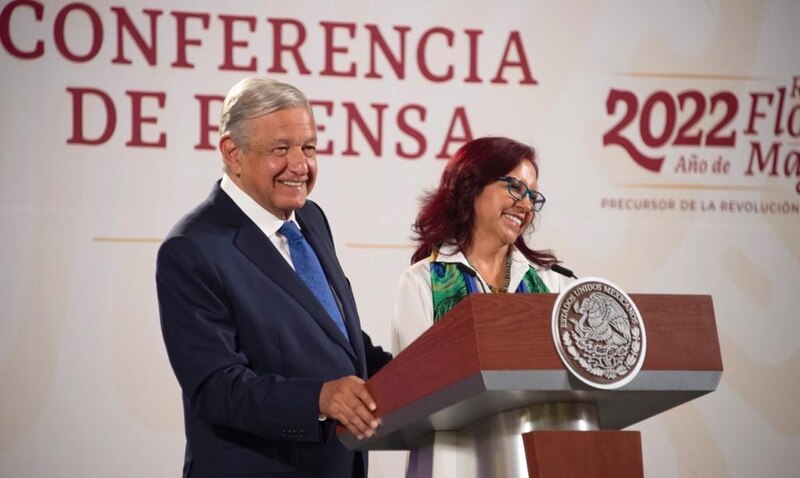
x=375, y=355
x=201, y=337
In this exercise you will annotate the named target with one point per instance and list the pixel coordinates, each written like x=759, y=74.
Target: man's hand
x=347, y=401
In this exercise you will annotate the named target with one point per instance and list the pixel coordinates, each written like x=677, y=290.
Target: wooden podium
x=489, y=373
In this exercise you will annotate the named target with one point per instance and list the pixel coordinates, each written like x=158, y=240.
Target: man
x=259, y=320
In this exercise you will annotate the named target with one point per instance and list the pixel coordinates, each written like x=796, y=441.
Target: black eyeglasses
x=518, y=190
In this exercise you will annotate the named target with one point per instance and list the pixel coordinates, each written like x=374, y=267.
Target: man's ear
x=230, y=154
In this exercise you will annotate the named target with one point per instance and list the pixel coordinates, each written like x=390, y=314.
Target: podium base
x=494, y=447
x=599, y=454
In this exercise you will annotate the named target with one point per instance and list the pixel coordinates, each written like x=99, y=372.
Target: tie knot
x=290, y=231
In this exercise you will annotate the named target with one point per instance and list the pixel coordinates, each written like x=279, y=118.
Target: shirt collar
x=265, y=220
x=450, y=253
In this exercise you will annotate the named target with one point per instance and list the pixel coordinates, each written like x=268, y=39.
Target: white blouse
x=413, y=311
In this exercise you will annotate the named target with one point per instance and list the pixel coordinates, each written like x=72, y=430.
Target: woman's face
x=498, y=215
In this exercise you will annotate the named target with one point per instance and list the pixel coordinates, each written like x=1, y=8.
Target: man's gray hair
x=254, y=97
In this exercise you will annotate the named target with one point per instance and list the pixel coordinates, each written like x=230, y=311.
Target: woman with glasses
x=471, y=236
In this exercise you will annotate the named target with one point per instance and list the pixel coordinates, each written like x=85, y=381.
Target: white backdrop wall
x=668, y=135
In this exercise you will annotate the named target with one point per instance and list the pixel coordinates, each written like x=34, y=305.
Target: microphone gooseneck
x=563, y=271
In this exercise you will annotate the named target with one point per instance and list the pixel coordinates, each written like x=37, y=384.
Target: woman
x=471, y=236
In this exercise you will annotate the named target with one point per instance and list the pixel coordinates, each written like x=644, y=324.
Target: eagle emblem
x=599, y=333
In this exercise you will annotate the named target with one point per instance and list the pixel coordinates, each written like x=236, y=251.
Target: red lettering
x=5, y=29
x=792, y=165
x=206, y=128
x=755, y=112
x=97, y=32
x=124, y=23
x=137, y=119
x=473, y=56
x=630, y=103
x=460, y=115
x=790, y=122
x=330, y=49
x=778, y=114
x=182, y=40
x=78, y=136
x=397, y=62
x=422, y=61
x=764, y=162
x=279, y=48
x=515, y=40
x=229, y=43
x=416, y=134
x=354, y=117
x=328, y=108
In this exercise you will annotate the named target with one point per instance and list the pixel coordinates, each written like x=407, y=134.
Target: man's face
x=278, y=167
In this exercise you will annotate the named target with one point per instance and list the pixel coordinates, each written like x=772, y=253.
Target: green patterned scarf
x=450, y=282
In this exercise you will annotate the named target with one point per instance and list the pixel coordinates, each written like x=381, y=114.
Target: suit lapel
x=318, y=236
x=252, y=242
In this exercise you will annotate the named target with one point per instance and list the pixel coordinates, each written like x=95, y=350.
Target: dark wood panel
x=513, y=332
x=445, y=354
x=579, y=454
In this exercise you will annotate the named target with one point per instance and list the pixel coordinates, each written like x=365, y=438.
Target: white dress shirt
x=413, y=315
x=265, y=220
x=413, y=312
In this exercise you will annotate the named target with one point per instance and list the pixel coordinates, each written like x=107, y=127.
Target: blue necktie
x=308, y=267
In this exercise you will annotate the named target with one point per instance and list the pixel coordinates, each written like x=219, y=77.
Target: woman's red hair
x=447, y=214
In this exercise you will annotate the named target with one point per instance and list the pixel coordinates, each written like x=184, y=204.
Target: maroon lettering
x=413, y=133
x=137, y=120
x=375, y=141
x=515, y=40
x=328, y=108
x=206, y=127
x=229, y=43
x=685, y=99
x=460, y=116
x=791, y=166
x=757, y=156
x=5, y=30
x=755, y=112
x=59, y=31
x=630, y=103
x=422, y=61
x=646, y=121
x=279, y=47
x=473, y=56
x=791, y=127
x=397, y=62
x=331, y=49
x=78, y=136
x=731, y=105
x=182, y=40
x=124, y=23
x=779, y=113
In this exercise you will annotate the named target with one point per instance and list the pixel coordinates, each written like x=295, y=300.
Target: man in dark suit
x=258, y=318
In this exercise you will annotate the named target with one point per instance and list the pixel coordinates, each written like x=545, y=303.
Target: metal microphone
x=563, y=271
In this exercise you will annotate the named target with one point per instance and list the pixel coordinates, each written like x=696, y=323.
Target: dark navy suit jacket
x=251, y=346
